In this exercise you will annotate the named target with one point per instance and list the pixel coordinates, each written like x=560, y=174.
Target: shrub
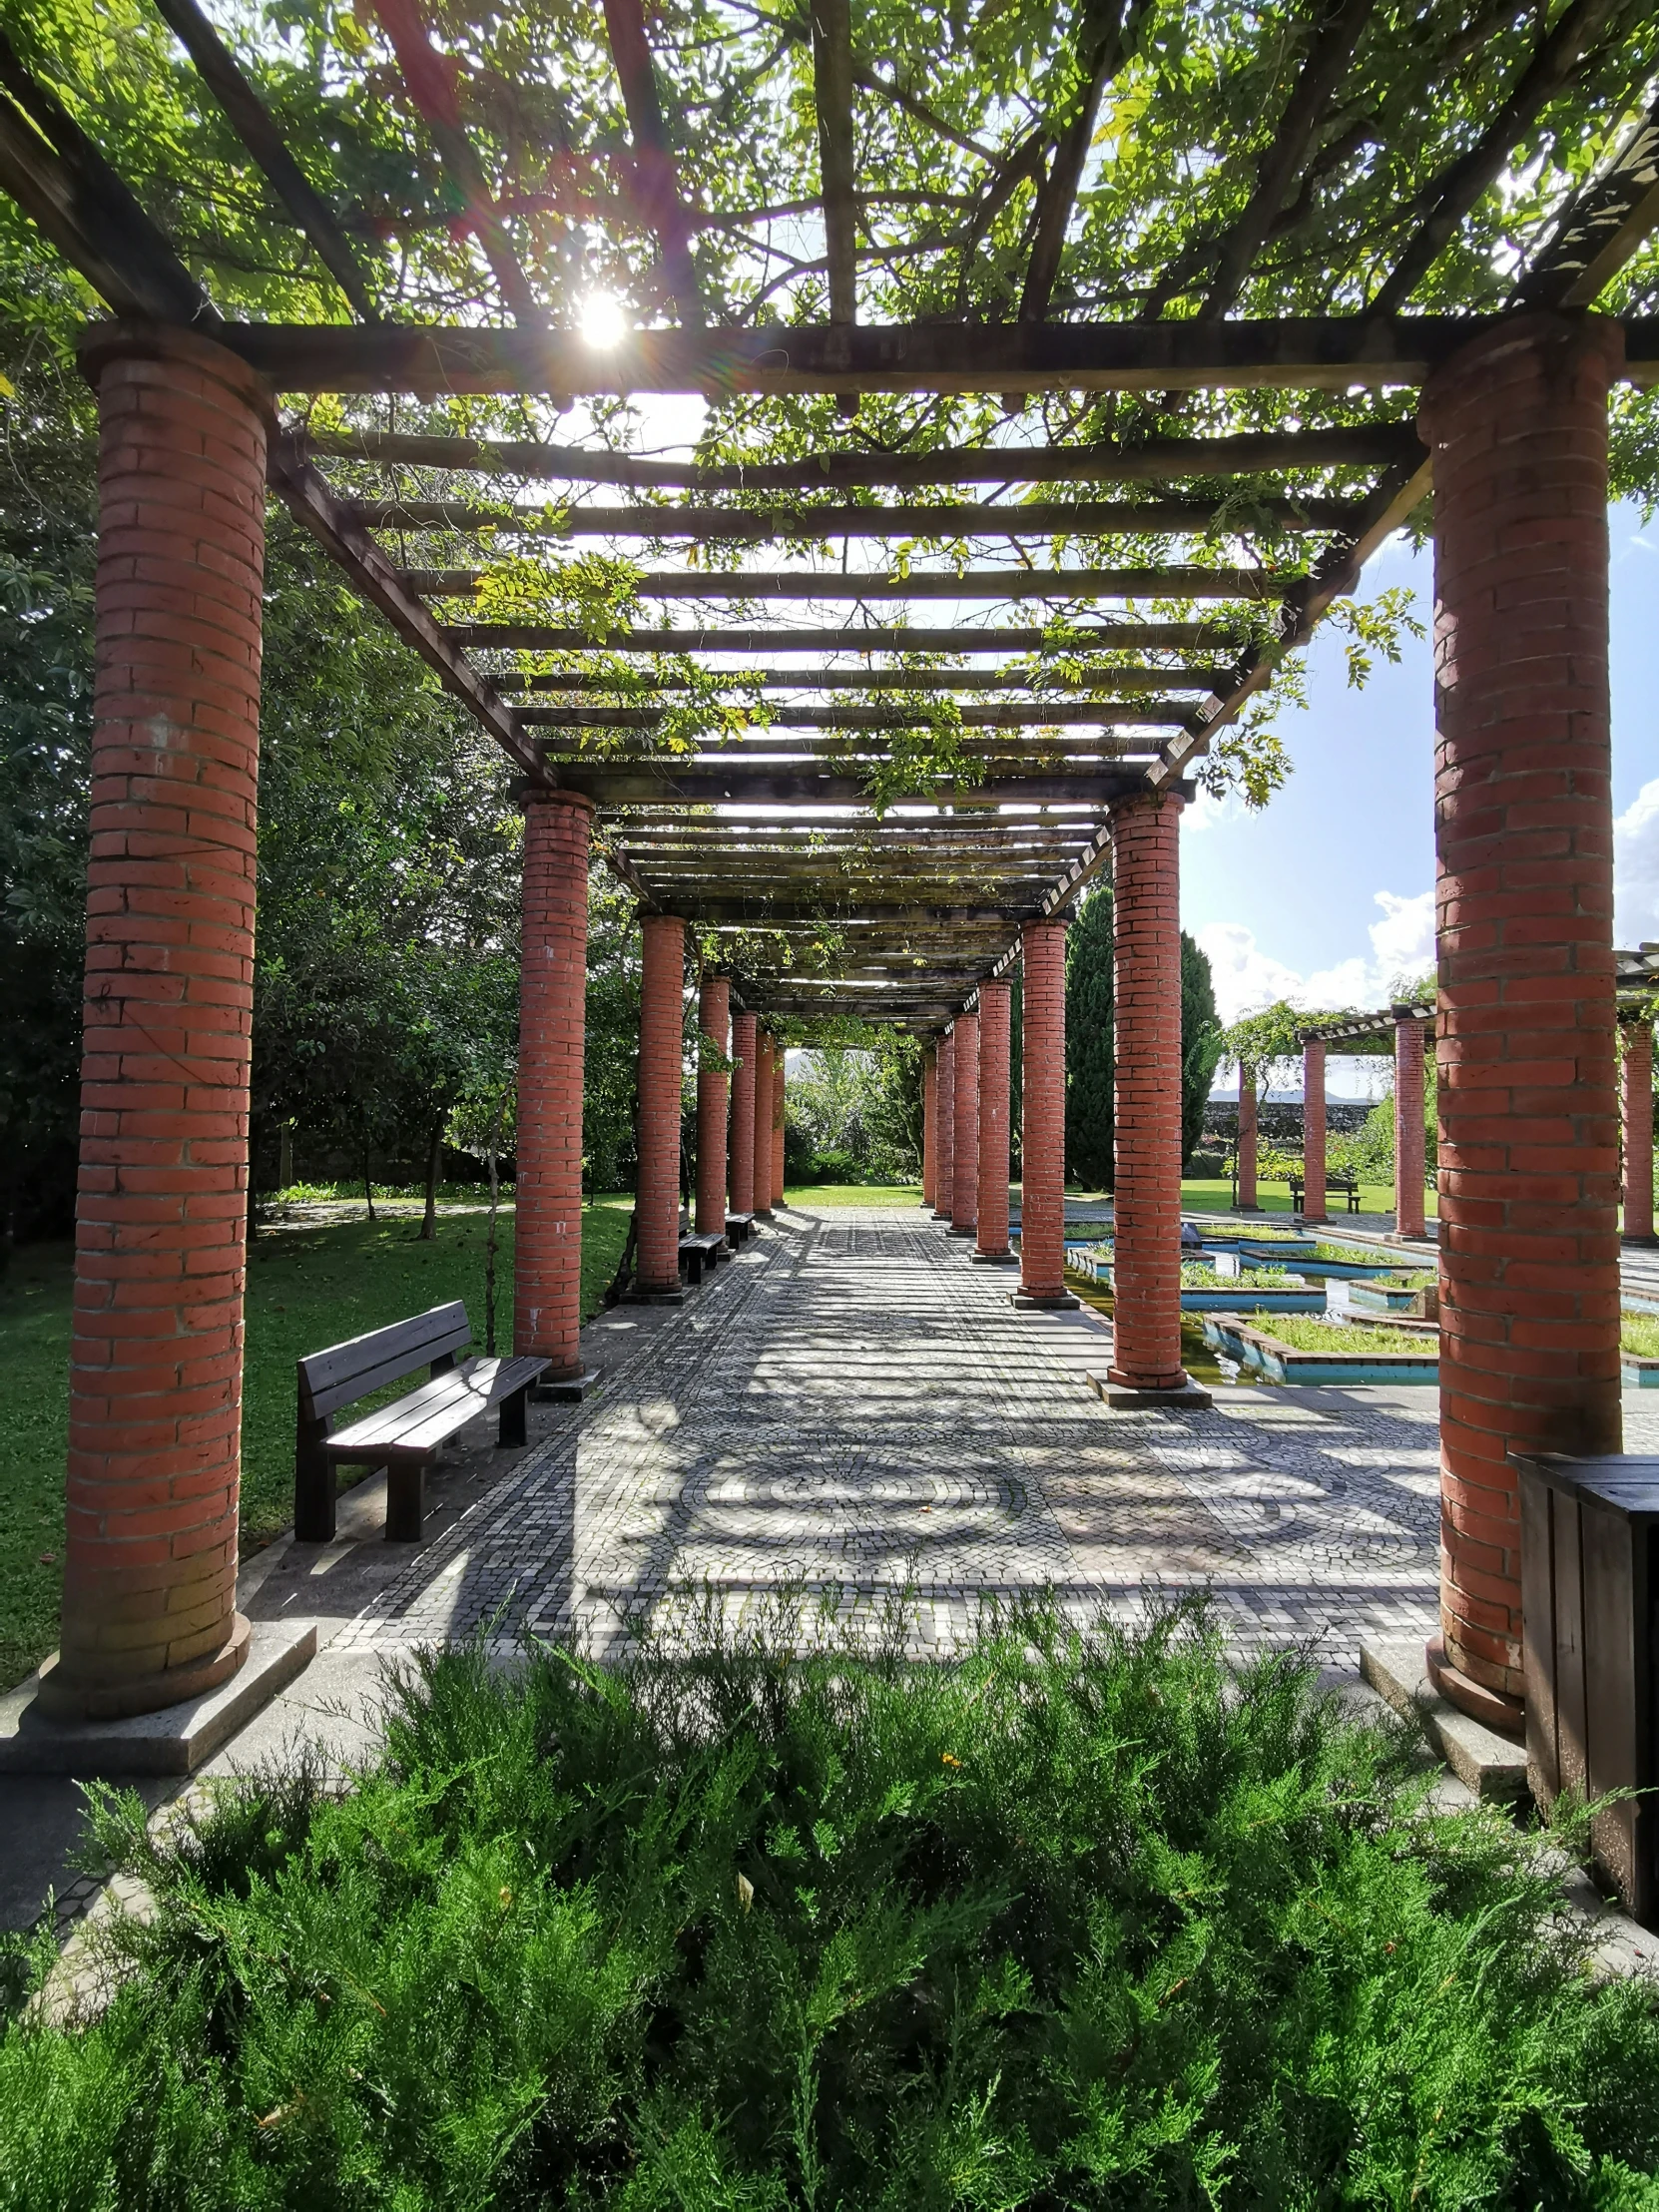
x=1082, y=1920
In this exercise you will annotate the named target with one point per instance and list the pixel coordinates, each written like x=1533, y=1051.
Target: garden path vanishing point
x=855, y=1408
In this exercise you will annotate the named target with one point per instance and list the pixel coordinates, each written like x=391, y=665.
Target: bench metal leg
x=405, y=1501
x=509, y=1427
x=314, y=1487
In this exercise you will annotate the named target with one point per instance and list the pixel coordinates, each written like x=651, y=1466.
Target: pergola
x=1399, y=1029
x=1113, y=357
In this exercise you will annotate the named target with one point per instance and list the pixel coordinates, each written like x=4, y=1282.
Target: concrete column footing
x=1489, y=1764
x=995, y=1260
x=1047, y=1301
x=177, y=1738
x=654, y=1298
x=565, y=1390
x=963, y=1229
x=1124, y=1399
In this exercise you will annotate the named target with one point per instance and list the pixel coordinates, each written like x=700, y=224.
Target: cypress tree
x=1199, y=1043
x=1090, y=1054
x=1090, y=1125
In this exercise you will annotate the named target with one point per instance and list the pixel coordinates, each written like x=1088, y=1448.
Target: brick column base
x=662, y=1077
x=945, y=1125
x=1638, y=1133
x=714, y=1021
x=1516, y=422
x=964, y=1106
x=1313, y=1133
x=155, y=1413
x=762, y=1167
x=995, y=1015
x=742, y=1114
x=1410, y=1141
x=553, y=983
x=1146, y=1199
x=1042, y=1208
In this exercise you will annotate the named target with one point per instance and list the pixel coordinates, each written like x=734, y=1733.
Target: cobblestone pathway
x=856, y=1409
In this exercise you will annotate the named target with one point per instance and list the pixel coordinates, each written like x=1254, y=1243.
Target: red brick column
x=929, y=1125
x=714, y=1016
x=1409, y=1152
x=779, y=1064
x=742, y=1114
x=662, y=1077
x=945, y=1125
x=1638, y=1133
x=996, y=1014
x=1529, y=1290
x=964, y=1107
x=762, y=1170
x=552, y=1011
x=1247, y=1140
x=1042, y=1210
x=1313, y=1131
x=1146, y=993
x=155, y=1416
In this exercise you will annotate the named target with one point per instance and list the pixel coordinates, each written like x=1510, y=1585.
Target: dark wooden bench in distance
x=739, y=1228
x=699, y=1253
x=1348, y=1184
x=404, y=1437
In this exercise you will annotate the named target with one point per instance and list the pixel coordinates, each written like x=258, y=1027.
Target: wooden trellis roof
x=1091, y=336
x=1366, y=1033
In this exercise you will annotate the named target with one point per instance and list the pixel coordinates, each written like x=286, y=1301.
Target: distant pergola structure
x=1398, y=1030
x=859, y=848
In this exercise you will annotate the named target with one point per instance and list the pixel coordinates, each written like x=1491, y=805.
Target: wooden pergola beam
x=309, y=497
x=1080, y=639
x=1062, y=584
x=580, y=683
x=1602, y=226
x=1154, y=460
x=832, y=33
x=254, y=124
x=967, y=519
x=707, y=785
x=1094, y=714
x=1301, y=352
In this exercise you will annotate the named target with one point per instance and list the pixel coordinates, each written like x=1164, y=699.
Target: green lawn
x=810, y=1195
x=306, y=1287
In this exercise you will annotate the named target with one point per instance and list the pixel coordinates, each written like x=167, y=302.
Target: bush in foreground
x=1075, y=1922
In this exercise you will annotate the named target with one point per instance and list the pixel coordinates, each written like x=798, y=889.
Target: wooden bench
x=739, y=1228
x=402, y=1437
x=1348, y=1184
x=698, y=1254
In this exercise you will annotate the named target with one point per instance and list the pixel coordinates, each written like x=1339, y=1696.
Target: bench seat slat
x=419, y=1422
x=343, y=1373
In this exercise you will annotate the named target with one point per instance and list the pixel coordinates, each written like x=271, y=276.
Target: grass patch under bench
x=306, y=1287
x=1080, y=1922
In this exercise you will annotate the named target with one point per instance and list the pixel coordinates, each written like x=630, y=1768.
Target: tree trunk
x=284, y=1162
x=369, y=1185
x=490, y=1261
x=435, y=1160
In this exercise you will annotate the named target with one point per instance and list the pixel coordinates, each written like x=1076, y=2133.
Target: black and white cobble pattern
x=854, y=1411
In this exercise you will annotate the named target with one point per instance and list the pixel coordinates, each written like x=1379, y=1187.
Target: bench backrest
x=345, y=1373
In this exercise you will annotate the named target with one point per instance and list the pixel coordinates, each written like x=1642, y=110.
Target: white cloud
x=1246, y=977
x=1636, y=870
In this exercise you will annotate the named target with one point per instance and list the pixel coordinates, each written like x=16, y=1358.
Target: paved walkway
x=856, y=1409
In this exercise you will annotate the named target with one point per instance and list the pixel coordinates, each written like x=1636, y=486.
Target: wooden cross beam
x=966, y=519
x=1153, y=460
x=586, y=681
x=1106, y=635
x=708, y=784
x=1299, y=353
x=1010, y=715
x=1012, y=583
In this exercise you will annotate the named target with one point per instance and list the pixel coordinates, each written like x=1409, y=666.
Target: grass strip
x=1313, y=1333
x=1079, y=1921
x=306, y=1287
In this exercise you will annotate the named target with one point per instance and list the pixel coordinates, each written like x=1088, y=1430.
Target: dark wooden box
x=1589, y=1592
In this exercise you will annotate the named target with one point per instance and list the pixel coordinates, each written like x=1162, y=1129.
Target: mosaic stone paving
x=854, y=1411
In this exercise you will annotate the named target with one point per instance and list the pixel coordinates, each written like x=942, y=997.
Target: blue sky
x=1325, y=896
